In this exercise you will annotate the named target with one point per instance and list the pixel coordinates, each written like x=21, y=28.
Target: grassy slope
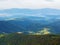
x=20, y=39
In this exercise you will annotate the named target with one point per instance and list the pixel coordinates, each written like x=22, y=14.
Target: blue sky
x=30, y=4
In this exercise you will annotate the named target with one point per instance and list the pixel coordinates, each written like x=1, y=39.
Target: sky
x=30, y=4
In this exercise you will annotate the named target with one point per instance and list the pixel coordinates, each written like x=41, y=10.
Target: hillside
x=28, y=25
x=21, y=39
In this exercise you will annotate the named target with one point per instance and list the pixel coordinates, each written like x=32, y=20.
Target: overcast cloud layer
x=31, y=4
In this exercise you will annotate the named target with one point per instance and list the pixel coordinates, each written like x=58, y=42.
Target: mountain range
x=24, y=20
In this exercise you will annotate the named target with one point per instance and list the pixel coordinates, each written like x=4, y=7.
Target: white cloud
x=32, y=4
x=19, y=32
x=10, y=19
x=3, y=0
x=4, y=15
x=50, y=0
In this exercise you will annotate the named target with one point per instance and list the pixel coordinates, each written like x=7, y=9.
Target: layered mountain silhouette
x=24, y=20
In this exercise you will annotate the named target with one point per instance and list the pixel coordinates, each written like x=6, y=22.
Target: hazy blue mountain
x=26, y=24
x=46, y=12
x=16, y=20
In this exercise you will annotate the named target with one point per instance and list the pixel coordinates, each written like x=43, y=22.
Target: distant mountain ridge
x=16, y=20
x=46, y=12
x=25, y=25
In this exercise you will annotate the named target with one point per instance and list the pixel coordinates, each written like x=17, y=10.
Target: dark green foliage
x=21, y=39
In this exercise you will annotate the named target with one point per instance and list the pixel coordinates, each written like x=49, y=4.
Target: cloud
x=4, y=15
x=3, y=0
x=10, y=19
x=50, y=0
x=31, y=4
x=20, y=32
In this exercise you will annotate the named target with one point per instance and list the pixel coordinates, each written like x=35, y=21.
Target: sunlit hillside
x=22, y=39
x=44, y=31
